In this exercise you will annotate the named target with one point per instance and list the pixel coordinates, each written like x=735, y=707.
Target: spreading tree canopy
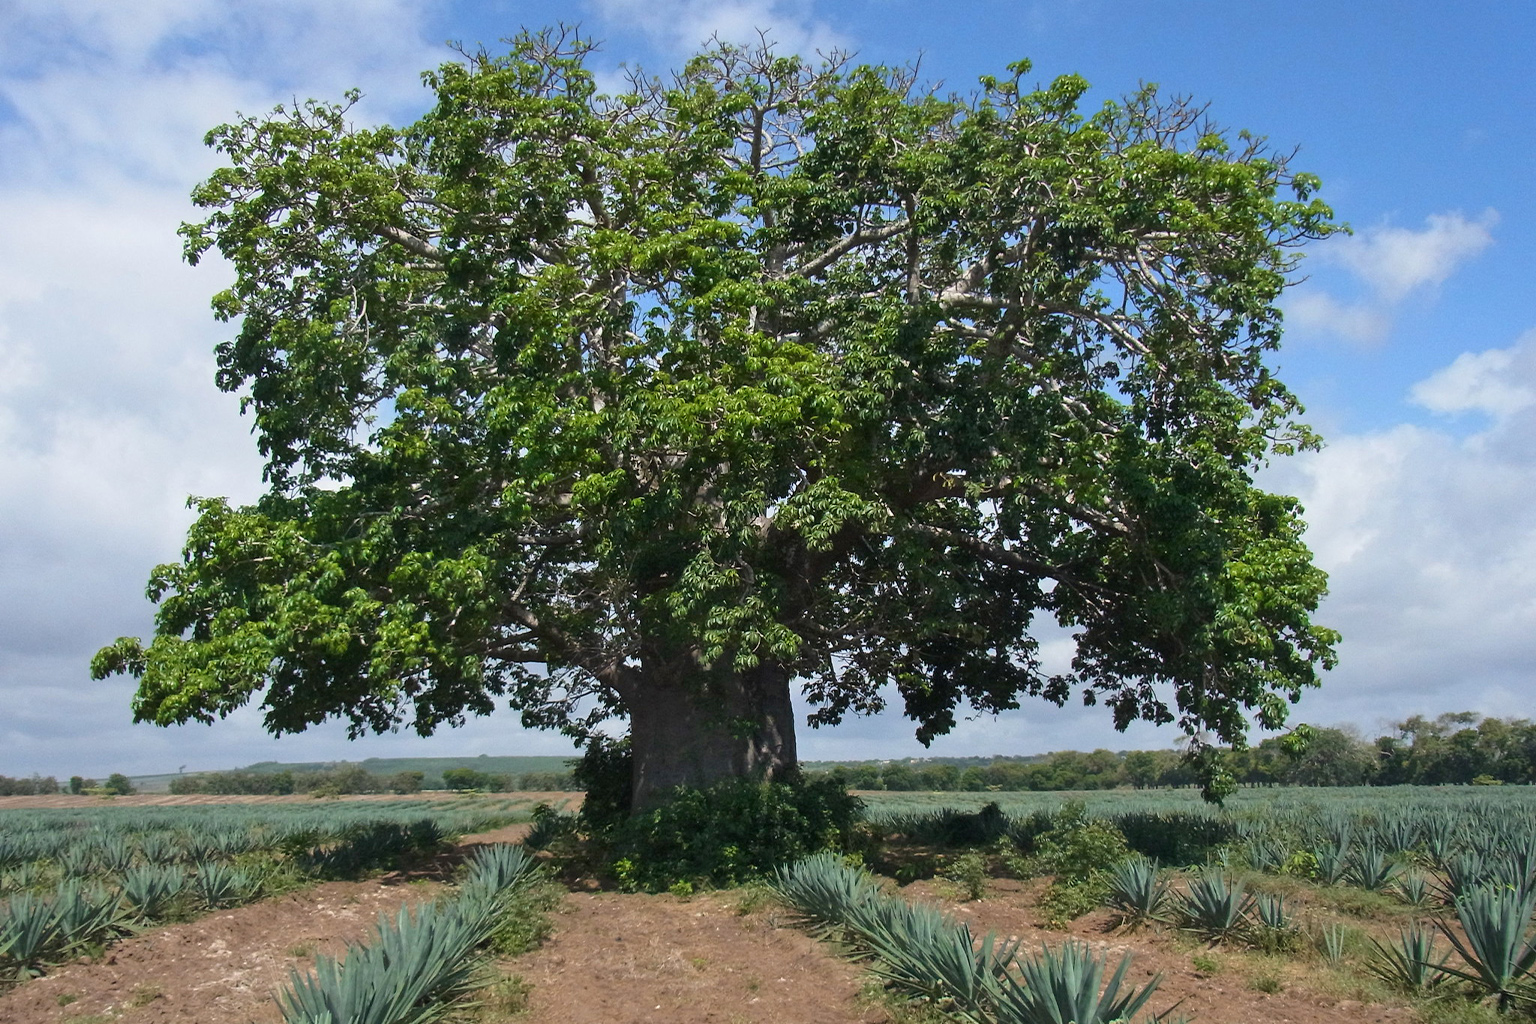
x=772, y=373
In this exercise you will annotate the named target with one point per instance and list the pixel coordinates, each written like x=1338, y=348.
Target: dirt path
x=220, y=969
x=624, y=959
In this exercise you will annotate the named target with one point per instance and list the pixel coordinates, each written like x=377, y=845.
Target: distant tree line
x=334, y=781
x=1460, y=748
x=1068, y=769
x=469, y=778
x=117, y=784
x=347, y=779
x=36, y=785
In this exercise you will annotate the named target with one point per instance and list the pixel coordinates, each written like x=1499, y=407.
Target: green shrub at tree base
x=732, y=832
x=604, y=773
x=1079, y=851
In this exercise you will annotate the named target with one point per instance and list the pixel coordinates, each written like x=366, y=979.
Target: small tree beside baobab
x=771, y=374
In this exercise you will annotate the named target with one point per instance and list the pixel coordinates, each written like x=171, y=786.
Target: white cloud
x=102, y=90
x=1395, y=261
x=1499, y=382
x=1392, y=263
x=682, y=26
x=1317, y=310
x=1430, y=543
x=108, y=414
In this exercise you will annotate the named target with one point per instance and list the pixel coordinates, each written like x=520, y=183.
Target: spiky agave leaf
x=906, y=940
x=1333, y=858
x=113, y=854
x=1215, y=906
x=1438, y=836
x=221, y=885
x=1137, y=891
x=149, y=888
x=1332, y=944
x=1497, y=949
x=28, y=935
x=823, y=888
x=1411, y=963
x=503, y=866
x=1272, y=913
x=408, y=974
x=1266, y=854
x=916, y=949
x=926, y=954
x=1413, y=887
x=1063, y=987
x=1398, y=833
x=77, y=861
x=419, y=961
x=157, y=848
x=1370, y=868
x=84, y=914
x=1464, y=872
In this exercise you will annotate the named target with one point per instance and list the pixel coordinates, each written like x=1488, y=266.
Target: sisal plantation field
x=1316, y=905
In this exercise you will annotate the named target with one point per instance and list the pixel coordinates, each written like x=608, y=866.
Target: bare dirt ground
x=223, y=968
x=617, y=958
x=58, y=800
x=625, y=959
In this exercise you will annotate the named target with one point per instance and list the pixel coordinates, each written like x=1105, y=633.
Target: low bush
x=968, y=873
x=731, y=832
x=1174, y=837
x=1079, y=851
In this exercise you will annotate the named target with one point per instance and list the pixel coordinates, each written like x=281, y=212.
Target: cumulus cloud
x=1499, y=382
x=1396, y=261
x=683, y=25
x=108, y=414
x=1392, y=263
x=1430, y=542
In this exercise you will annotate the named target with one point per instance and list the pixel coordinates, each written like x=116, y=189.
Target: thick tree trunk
x=696, y=729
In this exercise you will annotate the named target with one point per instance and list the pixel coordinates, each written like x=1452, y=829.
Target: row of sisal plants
x=1494, y=944
x=420, y=961
x=1468, y=868
x=69, y=884
x=927, y=955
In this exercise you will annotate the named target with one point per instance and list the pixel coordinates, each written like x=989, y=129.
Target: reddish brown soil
x=220, y=969
x=617, y=959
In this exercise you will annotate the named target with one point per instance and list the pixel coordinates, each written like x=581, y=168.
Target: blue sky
x=1413, y=343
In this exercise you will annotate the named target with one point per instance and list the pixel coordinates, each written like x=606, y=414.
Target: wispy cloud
x=1398, y=261
x=1392, y=263
x=682, y=26
x=1499, y=382
x=1317, y=310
